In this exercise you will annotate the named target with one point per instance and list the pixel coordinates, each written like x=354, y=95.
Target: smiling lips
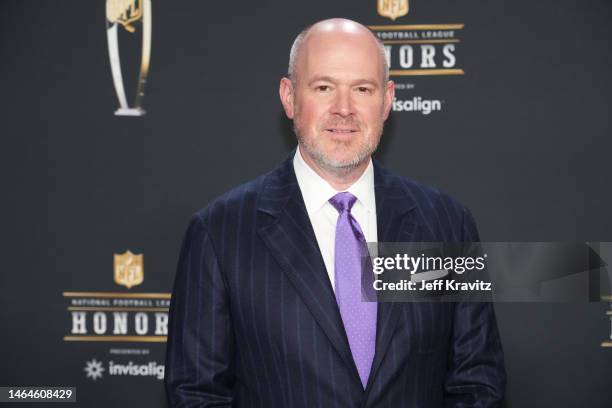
x=342, y=130
x=343, y=135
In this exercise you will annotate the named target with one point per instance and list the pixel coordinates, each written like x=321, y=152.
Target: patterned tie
x=359, y=317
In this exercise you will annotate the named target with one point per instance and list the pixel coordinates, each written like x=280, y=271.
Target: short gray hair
x=299, y=40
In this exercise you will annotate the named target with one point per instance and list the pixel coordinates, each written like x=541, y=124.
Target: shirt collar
x=317, y=192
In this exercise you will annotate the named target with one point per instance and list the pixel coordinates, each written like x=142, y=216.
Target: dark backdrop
x=523, y=139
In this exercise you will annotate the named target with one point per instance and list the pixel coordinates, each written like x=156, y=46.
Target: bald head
x=335, y=31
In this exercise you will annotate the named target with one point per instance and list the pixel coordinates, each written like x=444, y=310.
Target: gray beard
x=335, y=166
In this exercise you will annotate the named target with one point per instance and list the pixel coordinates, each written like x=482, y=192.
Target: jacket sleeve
x=476, y=376
x=199, y=354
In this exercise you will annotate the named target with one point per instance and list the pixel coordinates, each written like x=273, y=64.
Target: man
x=264, y=311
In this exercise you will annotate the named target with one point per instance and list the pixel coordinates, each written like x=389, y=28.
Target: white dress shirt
x=323, y=216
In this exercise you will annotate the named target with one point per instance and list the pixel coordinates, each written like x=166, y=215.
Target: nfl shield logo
x=129, y=270
x=392, y=8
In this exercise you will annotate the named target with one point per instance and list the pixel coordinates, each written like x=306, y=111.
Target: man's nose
x=343, y=104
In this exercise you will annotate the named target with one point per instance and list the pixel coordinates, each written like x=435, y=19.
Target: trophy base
x=130, y=112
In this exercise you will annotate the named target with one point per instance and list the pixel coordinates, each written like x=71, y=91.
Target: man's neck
x=339, y=179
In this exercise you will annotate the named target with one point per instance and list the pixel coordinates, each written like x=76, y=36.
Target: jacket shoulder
x=444, y=216
x=426, y=197
x=233, y=202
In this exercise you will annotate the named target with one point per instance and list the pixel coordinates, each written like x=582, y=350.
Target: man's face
x=338, y=101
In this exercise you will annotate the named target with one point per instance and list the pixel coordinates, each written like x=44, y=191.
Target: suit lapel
x=395, y=218
x=288, y=234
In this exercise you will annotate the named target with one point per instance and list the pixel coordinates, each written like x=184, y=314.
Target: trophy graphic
x=126, y=13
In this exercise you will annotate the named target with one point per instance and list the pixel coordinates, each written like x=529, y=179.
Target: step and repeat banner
x=121, y=118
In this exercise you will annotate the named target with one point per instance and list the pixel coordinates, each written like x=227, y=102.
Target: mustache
x=349, y=122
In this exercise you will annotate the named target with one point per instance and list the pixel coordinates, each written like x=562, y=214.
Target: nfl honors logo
x=417, y=50
x=121, y=316
x=393, y=8
x=129, y=269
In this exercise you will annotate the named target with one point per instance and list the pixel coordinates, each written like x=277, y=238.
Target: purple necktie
x=359, y=317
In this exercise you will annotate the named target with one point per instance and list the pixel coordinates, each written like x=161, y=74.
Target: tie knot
x=343, y=201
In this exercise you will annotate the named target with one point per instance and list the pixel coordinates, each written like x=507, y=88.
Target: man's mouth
x=342, y=131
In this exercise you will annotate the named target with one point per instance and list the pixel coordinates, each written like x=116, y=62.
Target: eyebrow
x=325, y=78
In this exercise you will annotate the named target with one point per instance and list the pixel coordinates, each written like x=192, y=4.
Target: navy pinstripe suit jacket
x=254, y=321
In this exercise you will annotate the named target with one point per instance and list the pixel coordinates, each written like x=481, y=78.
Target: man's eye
x=323, y=88
x=363, y=89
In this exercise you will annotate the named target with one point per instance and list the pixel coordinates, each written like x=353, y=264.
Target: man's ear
x=388, y=98
x=286, y=93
